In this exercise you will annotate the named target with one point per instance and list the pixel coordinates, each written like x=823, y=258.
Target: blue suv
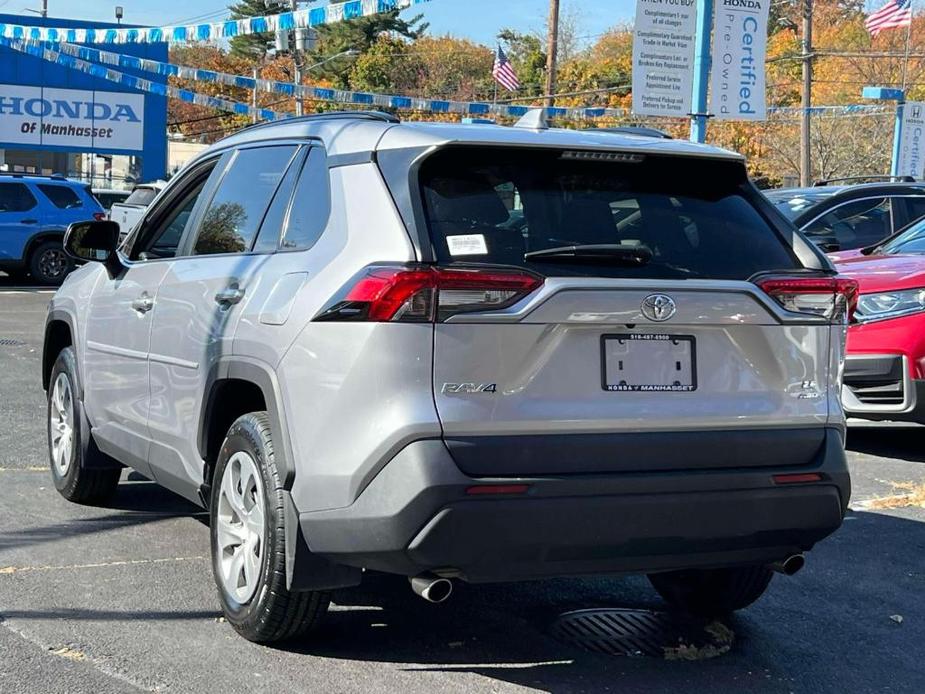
x=35, y=211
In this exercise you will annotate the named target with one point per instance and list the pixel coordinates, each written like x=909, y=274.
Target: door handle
x=143, y=303
x=28, y=221
x=230, y=295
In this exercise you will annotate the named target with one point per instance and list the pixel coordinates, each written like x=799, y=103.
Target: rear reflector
x=425, y=294
x=797, y=478
x=834, y=298
x=483, y=489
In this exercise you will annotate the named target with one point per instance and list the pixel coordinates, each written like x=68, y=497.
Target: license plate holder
x=648, y=362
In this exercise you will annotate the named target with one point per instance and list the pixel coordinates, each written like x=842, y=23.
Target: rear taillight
x=99, y=216
x=426, y=294
x=834, y=298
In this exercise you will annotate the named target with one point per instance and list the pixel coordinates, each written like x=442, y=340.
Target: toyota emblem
x=658, y=307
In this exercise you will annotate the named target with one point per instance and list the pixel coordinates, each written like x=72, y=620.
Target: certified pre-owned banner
x=663, y=54
x=737, y=83
x=912, y=144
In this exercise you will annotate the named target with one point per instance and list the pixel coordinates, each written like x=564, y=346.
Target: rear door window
x=694, y=217
x=853, y=225
x=231, y=221
x=15, y=197
x=62, y=197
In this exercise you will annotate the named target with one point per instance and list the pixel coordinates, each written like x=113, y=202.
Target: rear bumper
x=416, y=516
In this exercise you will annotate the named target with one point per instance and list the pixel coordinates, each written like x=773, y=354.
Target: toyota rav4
x=459, y=352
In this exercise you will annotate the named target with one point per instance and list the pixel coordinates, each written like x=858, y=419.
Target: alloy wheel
x=53, y=263
x=61, y=424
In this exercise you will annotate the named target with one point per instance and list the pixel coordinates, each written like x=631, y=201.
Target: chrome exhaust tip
x=432, y=588
x=790, y=565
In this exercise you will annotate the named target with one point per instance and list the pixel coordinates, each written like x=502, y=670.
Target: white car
x=130, y=211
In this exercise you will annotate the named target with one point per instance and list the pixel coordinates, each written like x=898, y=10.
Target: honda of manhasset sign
x=71, y=118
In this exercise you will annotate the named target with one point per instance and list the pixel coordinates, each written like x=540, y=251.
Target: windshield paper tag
x=469, y=244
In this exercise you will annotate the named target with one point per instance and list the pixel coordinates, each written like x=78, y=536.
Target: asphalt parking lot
x=121, y=599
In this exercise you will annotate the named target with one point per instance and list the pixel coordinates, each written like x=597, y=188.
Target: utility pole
x=552, y=48
x=44, y=8
x=297, y=62
x=254, y=97
x=806, y=163
x=702, y=63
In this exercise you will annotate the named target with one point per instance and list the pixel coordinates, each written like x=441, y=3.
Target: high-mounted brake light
x=426, y=294
x=834, y=298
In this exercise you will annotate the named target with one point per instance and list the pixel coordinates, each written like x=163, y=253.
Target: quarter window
x=62, y=197
x=231, y=221
x=15, y=197
x=311, y=204
x=854, y=224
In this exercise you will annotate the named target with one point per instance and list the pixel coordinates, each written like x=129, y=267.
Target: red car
x=885, y=366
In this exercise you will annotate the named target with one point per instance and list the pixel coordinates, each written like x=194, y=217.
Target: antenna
x=534, y=119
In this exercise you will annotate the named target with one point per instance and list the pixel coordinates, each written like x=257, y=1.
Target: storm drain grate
x=10, y=342
x=643, y=633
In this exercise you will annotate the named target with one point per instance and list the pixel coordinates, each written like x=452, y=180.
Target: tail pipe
x=790, y=565
x=432, y=588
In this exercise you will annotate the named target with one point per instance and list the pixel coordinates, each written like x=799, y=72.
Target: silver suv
x=455, y=352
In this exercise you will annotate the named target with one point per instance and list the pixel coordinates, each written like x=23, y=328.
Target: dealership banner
x=663, y=57
x=912, y=141
x=316, y=16
x=737, y=81
x=71, y=118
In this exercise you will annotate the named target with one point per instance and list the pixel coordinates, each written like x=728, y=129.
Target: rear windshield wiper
x=601, y=252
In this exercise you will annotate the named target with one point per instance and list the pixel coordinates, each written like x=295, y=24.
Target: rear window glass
x=694, y=217
x=793, y=205
x=61, y=196
x=141, y=196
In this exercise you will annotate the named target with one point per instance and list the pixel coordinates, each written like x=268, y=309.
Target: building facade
x=54, y=119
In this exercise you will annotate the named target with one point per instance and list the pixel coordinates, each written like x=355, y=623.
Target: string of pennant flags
x=299, y=19
x=94, y=61
x=89, y=60
x=140, y=83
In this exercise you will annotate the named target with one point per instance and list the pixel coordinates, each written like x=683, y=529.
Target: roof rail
x=873, y=178
x=25, y=174
x=328, y=115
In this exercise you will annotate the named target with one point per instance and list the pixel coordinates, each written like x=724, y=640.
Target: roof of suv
x=856, y=189
x=38, y=178
x=352, y=133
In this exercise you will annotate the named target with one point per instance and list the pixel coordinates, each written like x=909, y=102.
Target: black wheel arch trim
x=262, y=376
x=57, y=315
x=305, y=570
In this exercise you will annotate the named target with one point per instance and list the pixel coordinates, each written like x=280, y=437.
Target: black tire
x=49, y=264
x=84, y=474
x=272, y=613
x=712, y=592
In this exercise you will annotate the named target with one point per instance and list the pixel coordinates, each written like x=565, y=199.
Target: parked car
x=108, y=196
x=130, y=211
x=885, y=366
x=34, y=213
x=843, y=217
x=326, y=332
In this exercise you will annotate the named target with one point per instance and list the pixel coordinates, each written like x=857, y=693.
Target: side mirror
x=92, y=240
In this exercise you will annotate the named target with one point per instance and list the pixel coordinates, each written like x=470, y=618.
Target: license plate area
x=648, y=362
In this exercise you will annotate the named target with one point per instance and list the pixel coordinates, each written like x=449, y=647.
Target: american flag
x=896, y=13
x=503, y=72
